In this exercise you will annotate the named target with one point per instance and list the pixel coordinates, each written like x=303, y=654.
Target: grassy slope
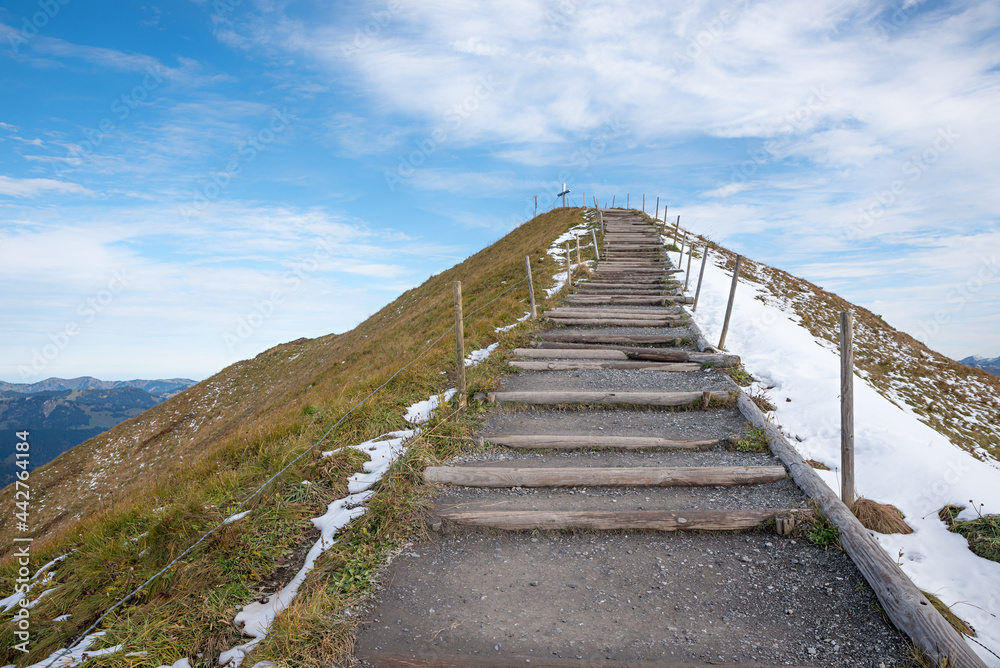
x=958, y=401
x=164, y=477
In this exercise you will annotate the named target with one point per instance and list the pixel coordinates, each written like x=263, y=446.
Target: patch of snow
x=236, y=517
x=507, y=328
x=478, y=356
x=77, y=654
x=422, y=411
x=180, y=663
x=61, y=618
x=898, y=459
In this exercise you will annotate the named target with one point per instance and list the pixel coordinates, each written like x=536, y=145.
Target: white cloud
x=14, y=187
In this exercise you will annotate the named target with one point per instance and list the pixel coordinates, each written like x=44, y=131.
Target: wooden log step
x=624, y=300
x=613, y=322
x=638, y=311
x=605, y=398
x=587, y=337
x=436, y=660
x=612, y=313
x=636, y=353
x=565, y=442
x=659, y=520
x=604, y=354
x=542, y=365
x=619, y=476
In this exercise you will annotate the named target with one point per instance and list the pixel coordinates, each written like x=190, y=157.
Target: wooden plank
x=613, y=322
x=659, y=520
x=535, y=353
x=648, y=354
x=633, y=398
x=565, y=442
x=586, y=337
x=584, y=365
x=634, y=314
x=620, y=476
x=902, y=602
x=415, y=660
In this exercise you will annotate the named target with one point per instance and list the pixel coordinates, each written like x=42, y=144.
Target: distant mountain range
x=59, y=414
x=162, y=388
x=984, y=363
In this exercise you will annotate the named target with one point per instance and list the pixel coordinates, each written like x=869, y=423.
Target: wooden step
x=628, y=314
x=604, y=354
x=614, y=322
x=658, y=520
x=586, y=337
x=620, y=476
x=635, y=353
x=553, y=398
x=587, y=365
x=565, y=442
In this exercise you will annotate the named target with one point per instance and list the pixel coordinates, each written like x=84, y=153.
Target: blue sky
x=185, y=184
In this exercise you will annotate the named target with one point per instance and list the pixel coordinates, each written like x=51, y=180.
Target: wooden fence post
x=644, y=202
x=657, y=216
x=459, y=343
x=732, y=297
x=531, y=287
x=600, y=216
x=847, y=409
x=627, y=196
x=569, y=267
x=595, y=204
x=597, y=253
x=584, y=201
x=701, y=275
x=687, y=273
x=677, y=229
x=612, y=201
x=680, y=258
x=578, y=260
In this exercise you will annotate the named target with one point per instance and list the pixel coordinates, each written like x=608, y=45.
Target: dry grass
x=957, y=622
x=169, y=474
x=880, y=517
x=817, y=465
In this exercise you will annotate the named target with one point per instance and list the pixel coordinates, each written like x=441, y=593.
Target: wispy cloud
x=14, y=187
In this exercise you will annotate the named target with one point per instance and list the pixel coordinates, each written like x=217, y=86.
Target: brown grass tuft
x=817, y=465
x=957, y=622
x=880, y=517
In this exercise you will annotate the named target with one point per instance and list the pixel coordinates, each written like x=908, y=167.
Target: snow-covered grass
x=898, y=459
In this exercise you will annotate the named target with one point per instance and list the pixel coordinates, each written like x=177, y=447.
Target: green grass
x=280, y=403
x=754, y=440
x=822, y=533
x=740, y=375
x=983, y=533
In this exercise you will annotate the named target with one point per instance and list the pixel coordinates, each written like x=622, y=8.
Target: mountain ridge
x=163, y=387
x=987, y=364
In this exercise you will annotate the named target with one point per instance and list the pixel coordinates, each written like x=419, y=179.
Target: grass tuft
x=983, y=533
x=880, y=517
x=817, y=465
x=822, y=533
x=957, y=622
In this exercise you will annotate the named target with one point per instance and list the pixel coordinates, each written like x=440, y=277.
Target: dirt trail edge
x=627, y=513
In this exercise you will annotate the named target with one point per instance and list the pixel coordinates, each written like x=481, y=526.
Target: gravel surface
x=618, y=380
x=625, y=596
x=776, y=495
x=714, y=457
x=717, y=423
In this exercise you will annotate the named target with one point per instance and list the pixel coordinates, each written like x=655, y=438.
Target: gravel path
x=701, y=597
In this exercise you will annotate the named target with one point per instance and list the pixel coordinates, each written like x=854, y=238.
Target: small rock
x=496, y=647
x=534, y=583
x=811, y=650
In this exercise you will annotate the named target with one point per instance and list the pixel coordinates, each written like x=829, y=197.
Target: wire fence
x=60, y=655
